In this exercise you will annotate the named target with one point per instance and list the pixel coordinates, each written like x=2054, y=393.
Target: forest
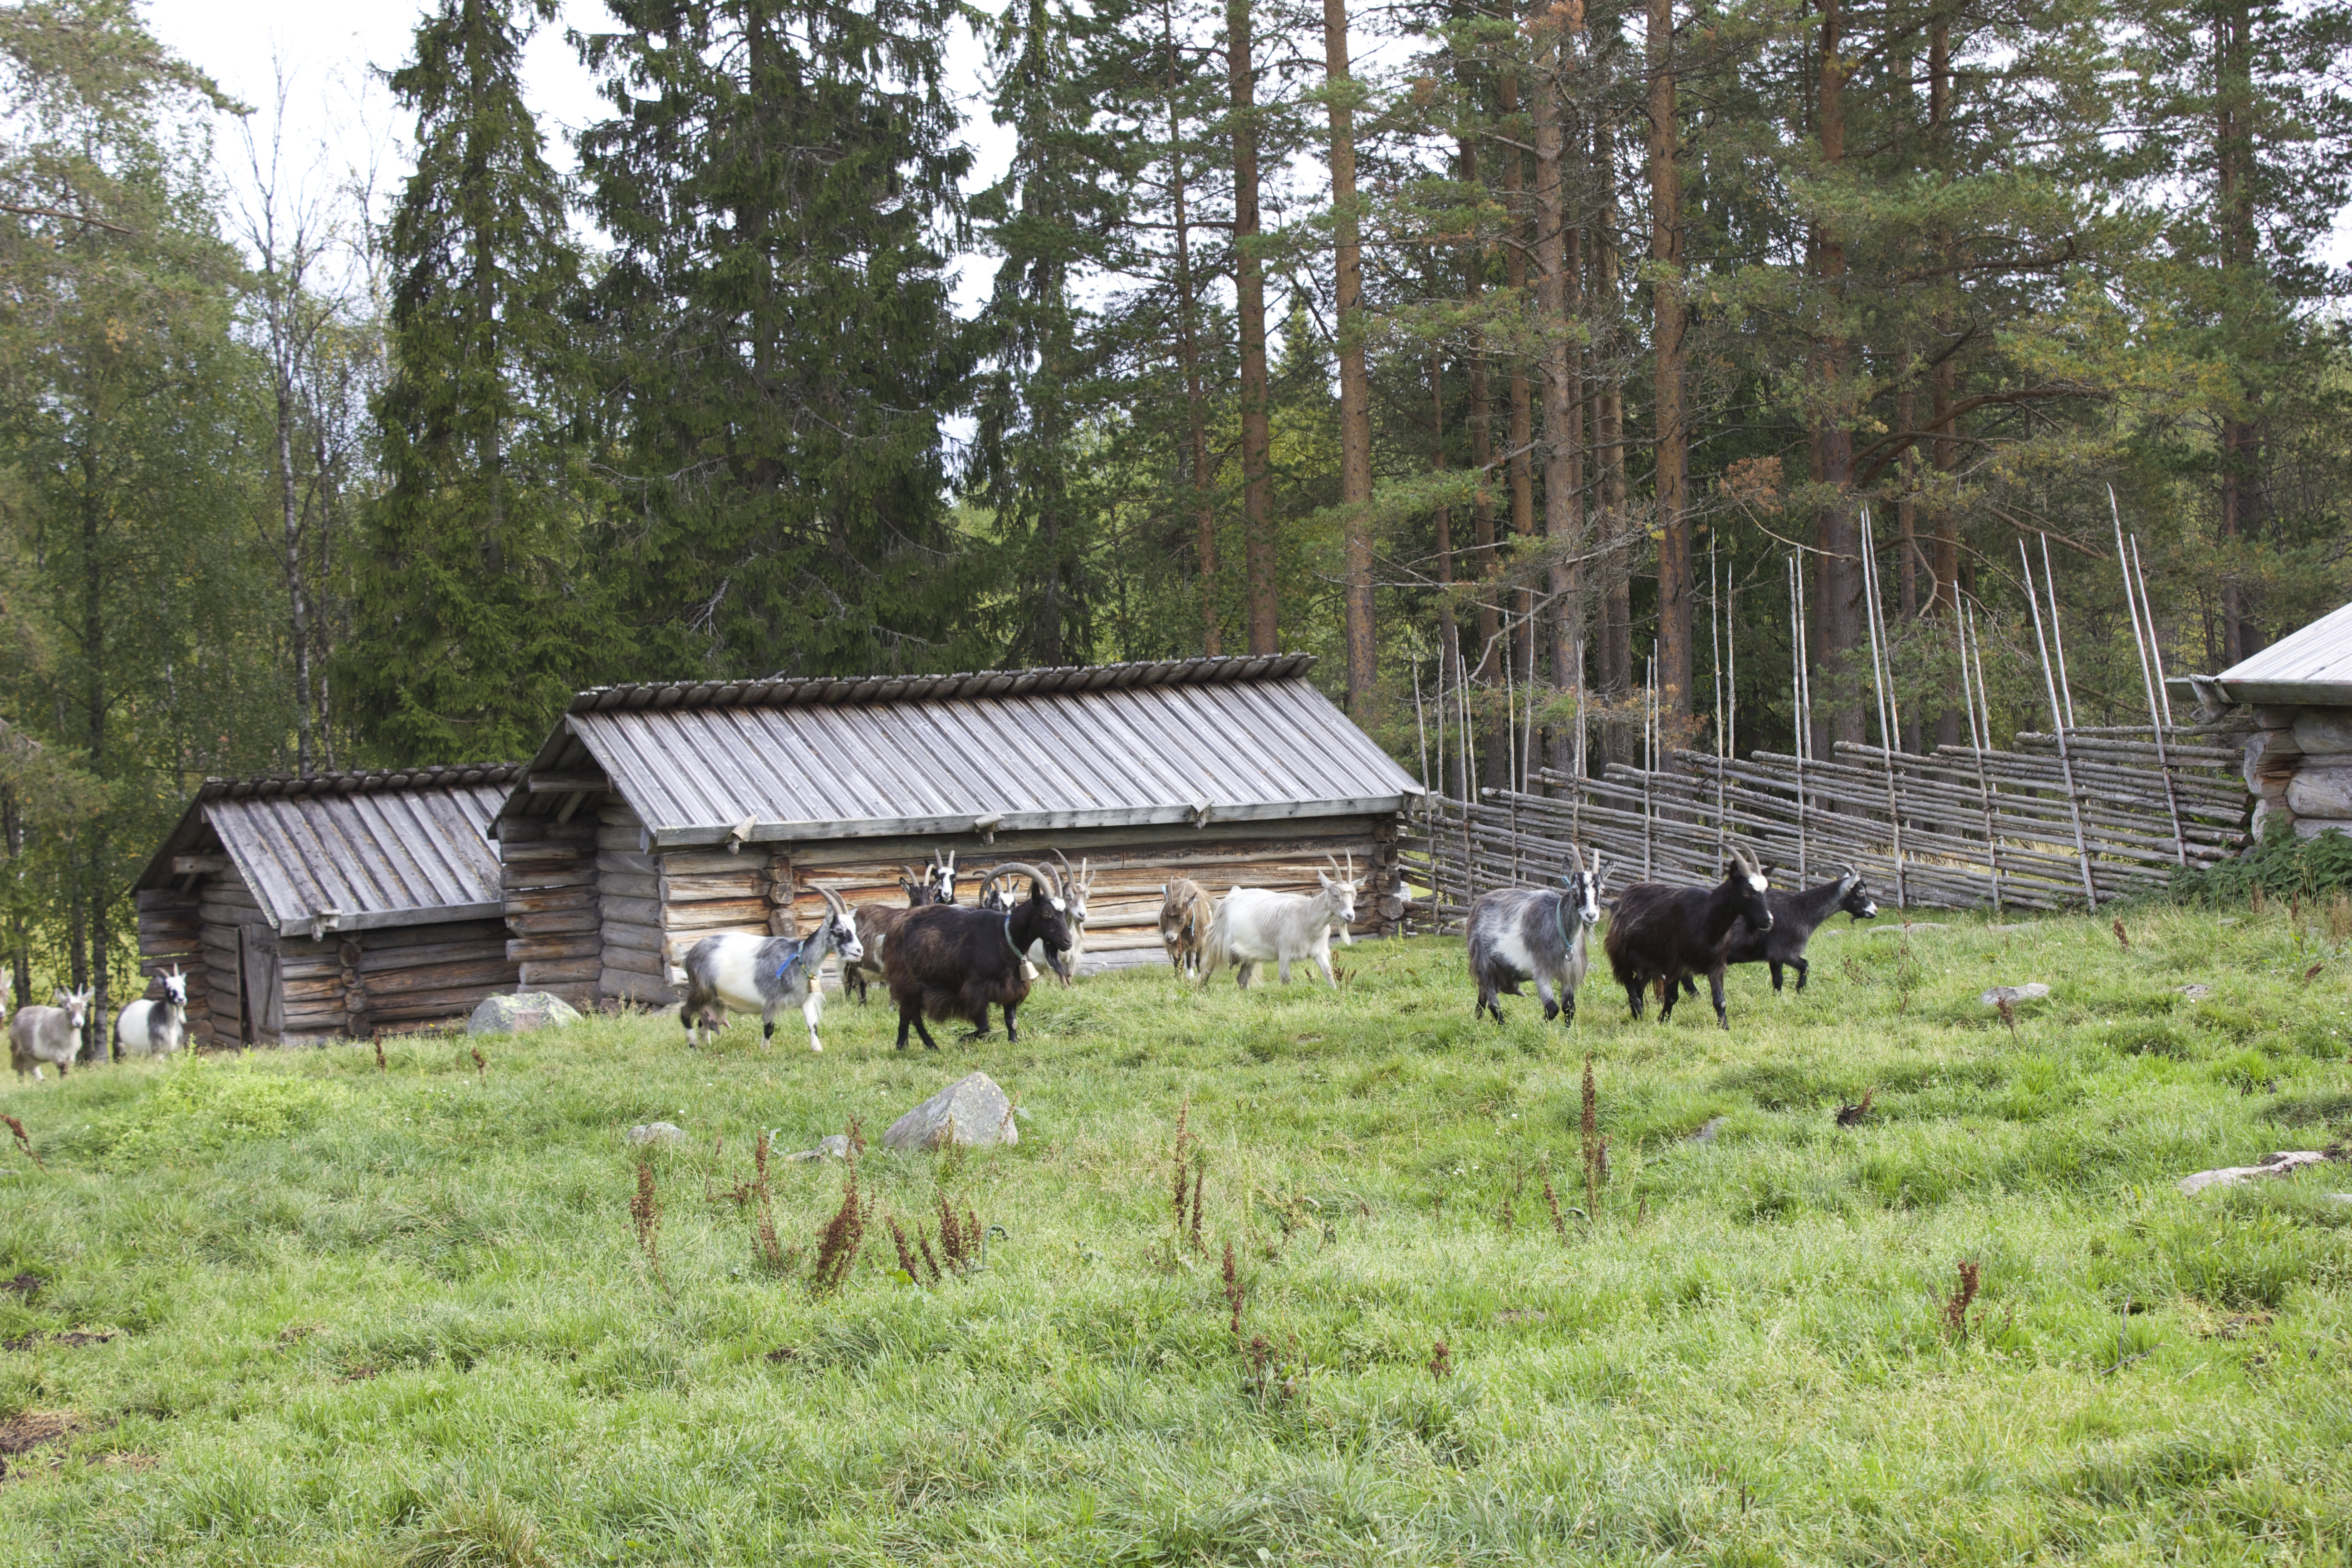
x=1535, y=356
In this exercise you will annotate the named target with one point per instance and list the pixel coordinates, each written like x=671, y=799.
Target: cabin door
x=261, y=1004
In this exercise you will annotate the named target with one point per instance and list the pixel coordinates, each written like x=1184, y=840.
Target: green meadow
x=298, y=1308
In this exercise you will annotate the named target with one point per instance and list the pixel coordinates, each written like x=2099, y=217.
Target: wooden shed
x=2293, y=701
x=327, y=907
x=655, y=815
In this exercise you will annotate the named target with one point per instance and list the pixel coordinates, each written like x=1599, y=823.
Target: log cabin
x=308, y=910
x=656, y=815
x=2290, y=708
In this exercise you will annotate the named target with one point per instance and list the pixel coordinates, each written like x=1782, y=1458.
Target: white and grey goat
x=1531, y=933
x=156, y=1029
x=51, y=1034
x=735, y=972
x=940, y=877
x=1076, y=885
x=1257, y=925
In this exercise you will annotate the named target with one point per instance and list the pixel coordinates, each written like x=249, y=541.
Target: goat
x=1660, y=934
x=940, y=875
x=948, y=962
x=736, y=972
x=1795, y=917
x=1185, y=916
x=1077, y=884
x=156, y=1029
x=1257, y=925
x=875, y=923
x=52, y=1034
x=1524, y=934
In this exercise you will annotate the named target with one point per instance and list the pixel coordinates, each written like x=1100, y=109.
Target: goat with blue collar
x=733, y=972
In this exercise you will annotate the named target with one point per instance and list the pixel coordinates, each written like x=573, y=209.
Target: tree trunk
x=1187, y=350
x=1556, y=263
x=1449, y=642
x=1485, y=561
x=1521, y=635
x=1944, y=452
x=1615, y=642
x=1838, y=607
x=1667, y=348
x=1355, y=387
x=2242, y=438
x=1249, y=302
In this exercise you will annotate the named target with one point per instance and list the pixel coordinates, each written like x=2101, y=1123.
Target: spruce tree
x=476, y=617
x=780, y=182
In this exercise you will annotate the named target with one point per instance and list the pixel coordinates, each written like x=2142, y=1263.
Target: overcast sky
x=338, y=110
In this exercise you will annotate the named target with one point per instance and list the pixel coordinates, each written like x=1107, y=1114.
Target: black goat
x=1661, y=935
x=1795, y=917
x=947, y=961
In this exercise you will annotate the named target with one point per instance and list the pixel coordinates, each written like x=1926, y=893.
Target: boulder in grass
x=971, y=1112
x=519, y=1011
x=2031, y=991
x=656, y=1133
x=833, y=1148
x=2285, y=1162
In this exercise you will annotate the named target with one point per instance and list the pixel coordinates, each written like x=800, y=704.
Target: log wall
x=654, y=905
x=2298, y=763
x=247, y=985
x=549, y=872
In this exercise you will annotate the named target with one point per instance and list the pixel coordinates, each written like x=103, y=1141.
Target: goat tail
x=1213, y=953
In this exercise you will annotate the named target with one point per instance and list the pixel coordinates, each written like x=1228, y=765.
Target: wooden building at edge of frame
x=307, y=910
x=656, y=815
x=2291, y=708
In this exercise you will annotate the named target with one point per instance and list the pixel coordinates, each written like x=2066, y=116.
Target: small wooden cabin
x=2293, y=703
x=655, y=815
x=307, y=910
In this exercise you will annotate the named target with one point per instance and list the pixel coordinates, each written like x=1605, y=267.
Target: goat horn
x=1576, y=858
x=1016, y=868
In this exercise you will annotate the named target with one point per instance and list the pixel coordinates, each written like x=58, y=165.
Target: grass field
x=363, y=1316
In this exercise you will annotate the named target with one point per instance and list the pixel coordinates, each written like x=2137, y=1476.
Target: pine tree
x=778, y=181
x=1055, y=213
x=478, y=614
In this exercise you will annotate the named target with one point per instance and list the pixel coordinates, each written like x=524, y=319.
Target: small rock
x=833, y=1148
x=1706, y=1134
x=2031, y=991
x=515, y=1012
x=2283, y=1163
x=972, y=1112
x=2196, y=992
x=656, y=1133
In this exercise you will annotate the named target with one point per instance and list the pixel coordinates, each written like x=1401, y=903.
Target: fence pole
x=1976, y=746
x=1878, y=680
x=2131, y=608
x=2058, y=722
x=1797, y=706
x=2154, y=647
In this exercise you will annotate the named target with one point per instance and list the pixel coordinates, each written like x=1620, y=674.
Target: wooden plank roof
x=1188, y=740
x=2314, y=665
x=347, y=851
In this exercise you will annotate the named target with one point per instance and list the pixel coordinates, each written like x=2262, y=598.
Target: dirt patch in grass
x=71, y=1337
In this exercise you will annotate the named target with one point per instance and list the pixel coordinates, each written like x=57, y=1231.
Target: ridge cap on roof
x=831, y=690
x=358, y=781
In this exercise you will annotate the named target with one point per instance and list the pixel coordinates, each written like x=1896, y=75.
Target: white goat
x=1257, y=925
x=156, y=1029
x=1078, y=883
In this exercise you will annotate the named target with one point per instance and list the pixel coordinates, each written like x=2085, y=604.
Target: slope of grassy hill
x=295, y=1308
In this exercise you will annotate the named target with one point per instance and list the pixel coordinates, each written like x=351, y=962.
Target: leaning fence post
x=2058, y=722
x=2131, y=608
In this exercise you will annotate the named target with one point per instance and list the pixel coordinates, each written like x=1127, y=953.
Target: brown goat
x=1185, y=915
x=876, y=923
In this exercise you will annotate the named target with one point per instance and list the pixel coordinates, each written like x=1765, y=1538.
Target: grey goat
x=156, y=1029
x=51, y=1034
x=1538, y=934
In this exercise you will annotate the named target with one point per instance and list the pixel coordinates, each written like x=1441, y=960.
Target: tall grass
x=365, y=1316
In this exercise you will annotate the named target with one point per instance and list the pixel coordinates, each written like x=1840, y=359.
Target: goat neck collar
x=1009, y=945
x=1559, y=918
x=800, y=952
